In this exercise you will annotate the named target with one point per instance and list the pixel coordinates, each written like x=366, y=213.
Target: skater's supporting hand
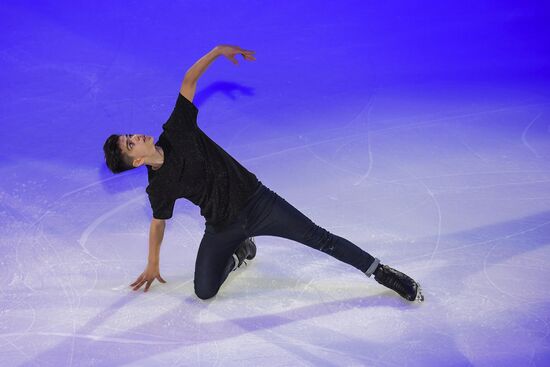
x=156, y=234
x=151, y=273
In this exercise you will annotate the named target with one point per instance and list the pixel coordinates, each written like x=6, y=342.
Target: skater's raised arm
x=192, y=75
x=152, y=270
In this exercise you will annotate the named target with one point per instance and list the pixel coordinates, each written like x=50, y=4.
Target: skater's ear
x=138, y=162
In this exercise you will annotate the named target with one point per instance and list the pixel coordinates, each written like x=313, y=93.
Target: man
x=186, y=163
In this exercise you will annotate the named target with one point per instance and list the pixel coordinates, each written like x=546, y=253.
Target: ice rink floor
x=446, y=180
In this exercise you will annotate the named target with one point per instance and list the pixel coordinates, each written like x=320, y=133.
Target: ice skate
x=404, y=285
x=246, y=250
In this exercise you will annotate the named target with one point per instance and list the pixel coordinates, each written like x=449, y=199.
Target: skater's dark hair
x=116, y=160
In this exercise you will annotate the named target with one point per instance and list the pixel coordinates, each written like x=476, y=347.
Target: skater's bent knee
x=205, y=294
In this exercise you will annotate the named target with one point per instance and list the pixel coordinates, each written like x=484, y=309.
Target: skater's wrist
x=199, y=67
x=153, y=262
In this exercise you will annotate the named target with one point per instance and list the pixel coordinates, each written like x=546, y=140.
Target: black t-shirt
x=198, y=169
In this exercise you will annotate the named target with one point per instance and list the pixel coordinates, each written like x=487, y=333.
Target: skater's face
x=137, y=147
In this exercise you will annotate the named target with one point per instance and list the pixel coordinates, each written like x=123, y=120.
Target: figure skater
x=185, y=163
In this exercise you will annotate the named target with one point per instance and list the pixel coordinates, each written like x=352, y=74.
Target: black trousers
x=267, y=214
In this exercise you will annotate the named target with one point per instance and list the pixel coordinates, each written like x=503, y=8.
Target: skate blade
x=419, y=296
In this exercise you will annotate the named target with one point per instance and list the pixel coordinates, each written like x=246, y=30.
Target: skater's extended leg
x=270, y=214
x=284, y=220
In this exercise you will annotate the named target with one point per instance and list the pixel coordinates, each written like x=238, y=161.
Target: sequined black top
x=198, y=169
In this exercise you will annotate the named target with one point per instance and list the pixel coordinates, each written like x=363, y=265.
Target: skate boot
x=399, y=282
x=246, y=250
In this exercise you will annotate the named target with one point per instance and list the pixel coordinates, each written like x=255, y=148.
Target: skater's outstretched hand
x=230, y=52
x=151, y=273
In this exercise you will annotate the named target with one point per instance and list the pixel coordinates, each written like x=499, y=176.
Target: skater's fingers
x=139, y=285
x=148, y=284
x=160, y=279
x=137, y=281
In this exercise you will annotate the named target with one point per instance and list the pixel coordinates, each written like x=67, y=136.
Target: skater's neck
x=157, y=159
